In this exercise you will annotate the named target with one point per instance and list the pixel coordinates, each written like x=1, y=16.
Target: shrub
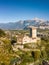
x=2, y=33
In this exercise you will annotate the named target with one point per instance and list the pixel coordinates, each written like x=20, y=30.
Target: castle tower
x=33, y=32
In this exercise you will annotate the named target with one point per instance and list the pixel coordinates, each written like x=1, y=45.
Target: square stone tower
x=33, y=32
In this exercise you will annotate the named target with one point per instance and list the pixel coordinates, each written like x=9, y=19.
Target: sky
x=15, y=10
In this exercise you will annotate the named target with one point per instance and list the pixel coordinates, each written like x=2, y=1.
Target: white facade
x=27, y=39
x=34, y=33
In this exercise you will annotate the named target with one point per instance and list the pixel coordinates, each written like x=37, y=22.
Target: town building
x=44, y=27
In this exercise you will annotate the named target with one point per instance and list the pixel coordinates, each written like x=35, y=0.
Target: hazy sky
x=14, y=10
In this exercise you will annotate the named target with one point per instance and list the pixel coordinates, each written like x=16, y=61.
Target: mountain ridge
x=22, y=24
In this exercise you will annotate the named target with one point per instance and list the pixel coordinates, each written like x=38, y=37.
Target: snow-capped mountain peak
x=38, y=20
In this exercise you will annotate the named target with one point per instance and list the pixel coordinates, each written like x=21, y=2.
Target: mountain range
x=23, y=24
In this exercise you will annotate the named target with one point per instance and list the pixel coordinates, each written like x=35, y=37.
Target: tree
x=2, y=33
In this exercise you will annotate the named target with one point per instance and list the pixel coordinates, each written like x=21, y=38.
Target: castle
x=21, y=40
x=32, y=38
